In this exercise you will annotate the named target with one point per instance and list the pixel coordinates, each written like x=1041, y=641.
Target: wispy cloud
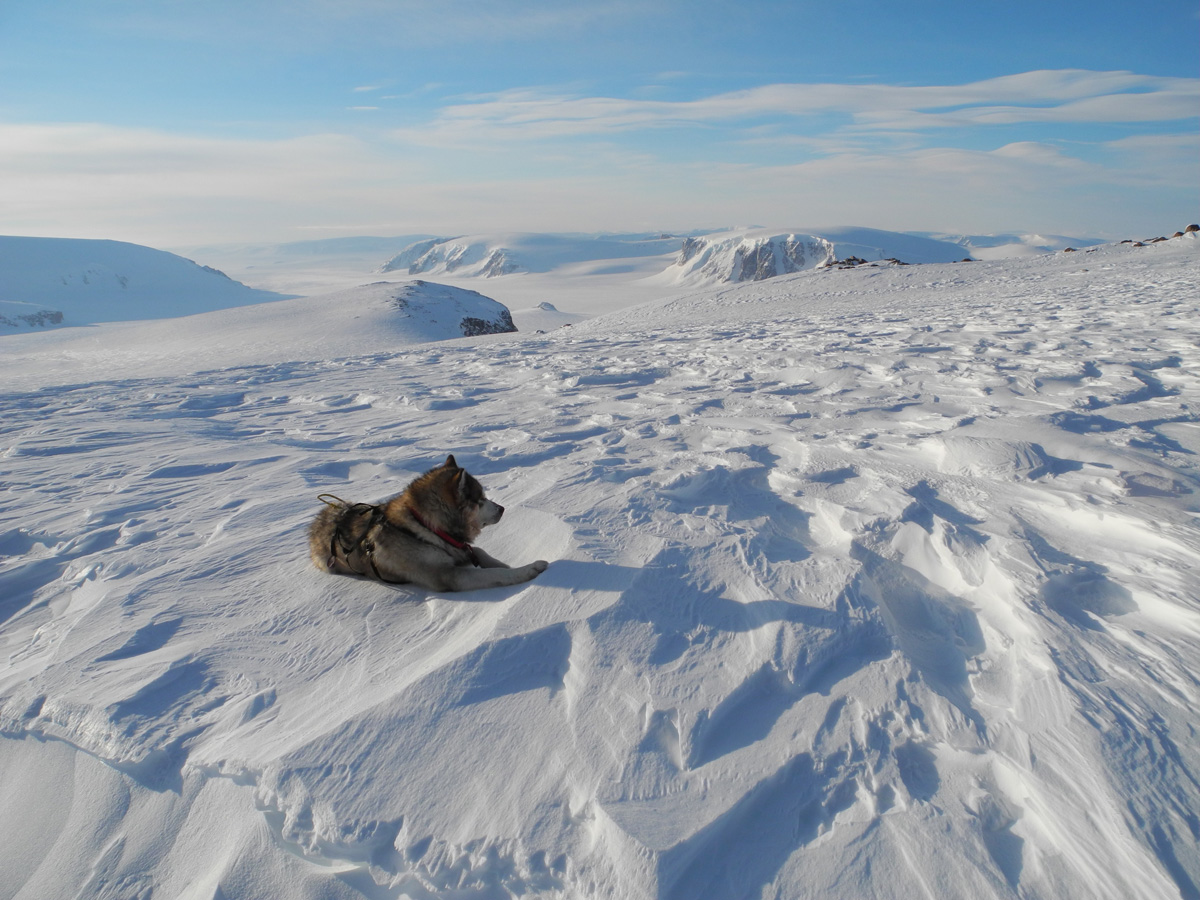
x=1062, y=96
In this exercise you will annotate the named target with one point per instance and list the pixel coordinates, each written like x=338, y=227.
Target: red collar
x=453, y=542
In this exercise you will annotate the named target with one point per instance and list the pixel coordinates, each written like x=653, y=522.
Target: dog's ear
x=450, y=463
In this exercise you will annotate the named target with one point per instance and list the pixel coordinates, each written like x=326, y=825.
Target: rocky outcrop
x=42, y=318
x=502, y=324
x=739, y=258
x=468, y=313
x=453, y=257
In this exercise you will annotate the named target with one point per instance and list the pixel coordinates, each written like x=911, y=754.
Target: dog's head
x=476, y=509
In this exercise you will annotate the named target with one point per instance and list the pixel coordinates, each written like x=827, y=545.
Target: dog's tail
x=323, y=534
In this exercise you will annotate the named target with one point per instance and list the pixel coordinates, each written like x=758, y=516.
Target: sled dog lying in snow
x=422, y=535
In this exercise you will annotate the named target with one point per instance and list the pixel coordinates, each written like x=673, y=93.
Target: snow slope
x=878, y=582
x=106, y=281
x=370, y=318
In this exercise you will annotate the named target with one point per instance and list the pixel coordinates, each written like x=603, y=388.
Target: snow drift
x=56, y=281
x=878, y=582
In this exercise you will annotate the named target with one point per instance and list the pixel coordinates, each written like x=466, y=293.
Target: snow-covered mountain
x=877, y=582
x=740, y=255
x=758, y=254
x=748, y=257
x=489, y=256
x=596, y=271
x=56, y=281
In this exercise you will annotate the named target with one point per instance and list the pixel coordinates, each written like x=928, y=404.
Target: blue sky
x=173, y=123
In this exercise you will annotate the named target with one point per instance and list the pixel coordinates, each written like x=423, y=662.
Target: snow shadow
x=918, y=770
x=1076, y=589
x=677, y=598
x=514, y=665
x=578, y=574
x=687, y=606
x=780, y=530
x=749, y=713
x=934, y=629
x=568, y=574
x=742, y=850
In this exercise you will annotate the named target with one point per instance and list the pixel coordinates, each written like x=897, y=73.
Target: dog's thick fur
x=421, y=536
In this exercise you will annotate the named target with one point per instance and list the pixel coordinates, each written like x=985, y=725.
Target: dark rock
x=502, y=324
x=691, y=247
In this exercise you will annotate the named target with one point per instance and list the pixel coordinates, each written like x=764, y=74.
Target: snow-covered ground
x=878, y=582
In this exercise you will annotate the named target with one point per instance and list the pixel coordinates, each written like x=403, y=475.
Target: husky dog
x=422, y=535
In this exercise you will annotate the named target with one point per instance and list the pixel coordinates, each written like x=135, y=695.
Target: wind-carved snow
x=876, y=582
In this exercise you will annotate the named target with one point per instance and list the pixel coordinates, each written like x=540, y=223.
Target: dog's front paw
x=533, y=569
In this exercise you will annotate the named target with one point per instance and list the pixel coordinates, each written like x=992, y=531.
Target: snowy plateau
x=875, y=581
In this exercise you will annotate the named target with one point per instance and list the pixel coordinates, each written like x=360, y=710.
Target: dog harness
x=366, y=547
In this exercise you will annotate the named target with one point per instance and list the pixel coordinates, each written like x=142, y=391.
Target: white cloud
x=1066, y=96
x=87, y=180
x=163, y=189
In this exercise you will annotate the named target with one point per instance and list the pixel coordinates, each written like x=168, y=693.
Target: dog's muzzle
x=490, y=513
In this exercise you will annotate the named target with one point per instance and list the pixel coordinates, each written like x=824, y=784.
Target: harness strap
x=367, y=546
x=363, y=544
